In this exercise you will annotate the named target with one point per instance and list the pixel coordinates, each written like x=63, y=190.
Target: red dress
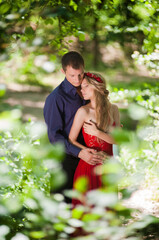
x=86, y=170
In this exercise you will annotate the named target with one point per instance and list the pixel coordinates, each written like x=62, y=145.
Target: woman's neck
x=92, y=103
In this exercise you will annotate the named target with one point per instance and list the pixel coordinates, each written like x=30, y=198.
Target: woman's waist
x=105, y=147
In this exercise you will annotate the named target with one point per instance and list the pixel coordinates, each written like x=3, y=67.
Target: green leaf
x=73, y=194
x=59, y=227
x=4, y=8
x=29, y=32
x=121, y=136
x=90, y=217
x=20, y=236
x=49, y=21
x=81, y=184
x=75, y=222
x=12, y=16
x=33, y=217
x=81, y=35
x=37, y=234
x=78, y=212
x=4, y=230
x=102, y=199
x=74, y=5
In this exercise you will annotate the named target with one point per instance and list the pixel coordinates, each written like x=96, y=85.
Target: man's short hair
x=73, y=59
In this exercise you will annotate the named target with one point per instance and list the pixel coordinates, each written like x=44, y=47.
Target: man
x=59, y=111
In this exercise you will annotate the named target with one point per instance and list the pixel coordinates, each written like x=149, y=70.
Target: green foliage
x=81, y=184
x=149, y=60
x=2, y=90
x=139, y=154
x=53, y=25
x=22, y=155
x=30, y=168
x=33, y=69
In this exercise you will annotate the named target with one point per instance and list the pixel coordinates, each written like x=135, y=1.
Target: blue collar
x=69, y=87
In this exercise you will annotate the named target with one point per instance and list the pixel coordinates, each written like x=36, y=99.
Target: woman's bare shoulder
x=83, y=110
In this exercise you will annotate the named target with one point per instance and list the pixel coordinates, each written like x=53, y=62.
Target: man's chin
x=77, y=85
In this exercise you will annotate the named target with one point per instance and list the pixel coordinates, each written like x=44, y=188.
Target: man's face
x=74, y=76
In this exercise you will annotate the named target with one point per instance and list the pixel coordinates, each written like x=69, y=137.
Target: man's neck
x=78, y=89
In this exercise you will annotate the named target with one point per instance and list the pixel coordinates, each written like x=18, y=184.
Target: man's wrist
x=80, y=153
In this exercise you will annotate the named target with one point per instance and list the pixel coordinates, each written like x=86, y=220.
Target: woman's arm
x=91, y=128
x=76, y=127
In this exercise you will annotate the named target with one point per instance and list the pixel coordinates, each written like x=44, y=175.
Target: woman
x=96, y=119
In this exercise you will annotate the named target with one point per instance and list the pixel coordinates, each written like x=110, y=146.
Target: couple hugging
x=79, y=114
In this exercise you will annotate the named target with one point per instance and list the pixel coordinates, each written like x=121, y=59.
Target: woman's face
x=87, y=90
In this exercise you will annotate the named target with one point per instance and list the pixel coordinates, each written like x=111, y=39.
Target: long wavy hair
x=102, y=109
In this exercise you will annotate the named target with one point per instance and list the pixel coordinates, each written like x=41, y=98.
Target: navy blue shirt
x=59, y=111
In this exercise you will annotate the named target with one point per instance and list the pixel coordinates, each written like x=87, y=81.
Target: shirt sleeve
x=54, y=118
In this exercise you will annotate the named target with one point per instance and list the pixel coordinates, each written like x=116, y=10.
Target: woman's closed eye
x=83, y=87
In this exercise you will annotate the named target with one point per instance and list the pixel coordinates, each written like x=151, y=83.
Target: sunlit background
x=119, y=39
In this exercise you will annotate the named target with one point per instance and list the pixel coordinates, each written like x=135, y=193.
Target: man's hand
x=91, y=156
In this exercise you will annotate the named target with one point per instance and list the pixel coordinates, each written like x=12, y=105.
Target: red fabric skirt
x=88, y=171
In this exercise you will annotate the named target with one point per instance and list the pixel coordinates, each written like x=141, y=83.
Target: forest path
x=29, y=99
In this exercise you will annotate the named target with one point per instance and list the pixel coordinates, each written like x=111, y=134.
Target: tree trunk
x=95, y=44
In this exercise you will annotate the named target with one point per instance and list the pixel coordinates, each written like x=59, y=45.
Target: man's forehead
x=73, y=70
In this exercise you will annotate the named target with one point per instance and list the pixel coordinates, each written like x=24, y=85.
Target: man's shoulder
x=57, y=93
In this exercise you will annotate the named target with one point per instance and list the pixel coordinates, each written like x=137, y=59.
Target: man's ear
x=62, y=71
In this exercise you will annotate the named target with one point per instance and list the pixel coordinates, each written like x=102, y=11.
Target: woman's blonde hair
x=102, y=103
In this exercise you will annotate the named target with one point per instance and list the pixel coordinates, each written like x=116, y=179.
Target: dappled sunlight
x=30, y=99
x=118, y=39
x=142, y=200
x=25, y=103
